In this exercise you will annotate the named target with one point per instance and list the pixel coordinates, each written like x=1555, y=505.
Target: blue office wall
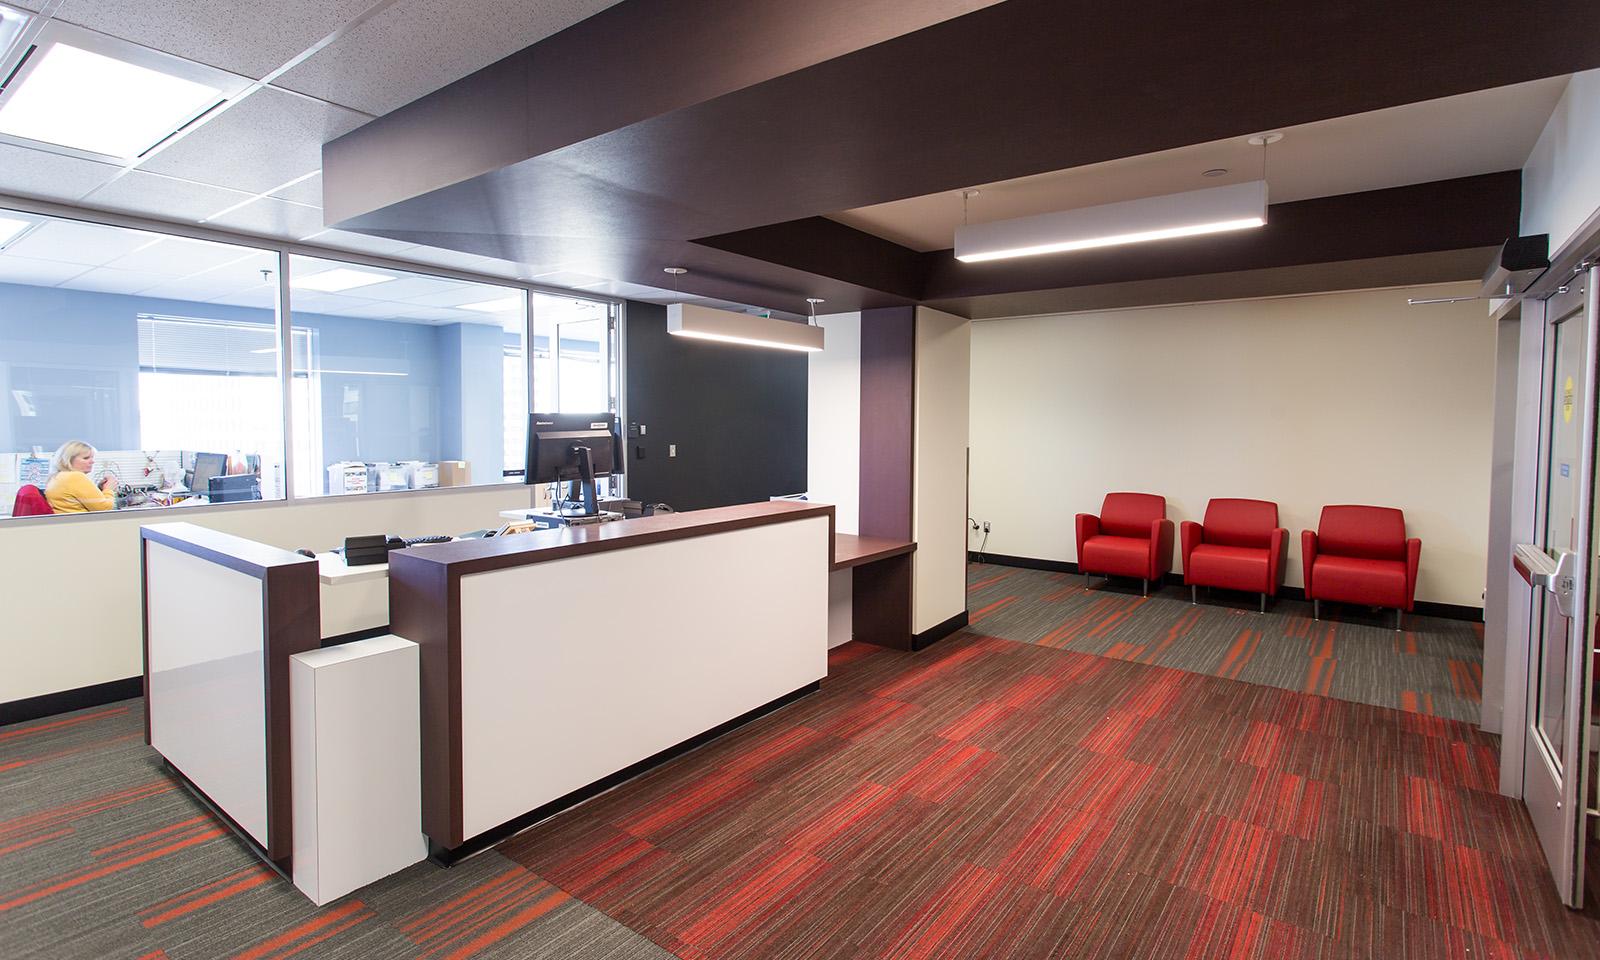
x=76, y=353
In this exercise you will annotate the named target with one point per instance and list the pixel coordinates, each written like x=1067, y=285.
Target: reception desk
x=558, y=663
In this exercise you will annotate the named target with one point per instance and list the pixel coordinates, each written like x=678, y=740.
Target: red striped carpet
x=983, y=798
x=986, y=798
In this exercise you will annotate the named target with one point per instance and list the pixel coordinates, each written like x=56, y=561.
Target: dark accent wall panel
x=888, y=377
x=736, y=414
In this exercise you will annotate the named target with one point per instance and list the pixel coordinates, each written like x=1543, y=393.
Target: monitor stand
x=586, y=471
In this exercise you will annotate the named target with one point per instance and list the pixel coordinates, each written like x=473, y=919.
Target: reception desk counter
x=557, y=663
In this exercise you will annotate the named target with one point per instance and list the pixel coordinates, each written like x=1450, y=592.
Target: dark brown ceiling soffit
x=627, y=63
x=1016, y=88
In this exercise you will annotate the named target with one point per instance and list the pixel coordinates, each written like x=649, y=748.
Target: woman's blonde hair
x=66, y=453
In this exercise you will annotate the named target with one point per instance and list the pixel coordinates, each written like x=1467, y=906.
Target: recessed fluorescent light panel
x=1239, y=206
x=338, y=279
x=12, y=227
x=106, y=97
x=725, y=326
x=12, y=23
x=502, y=305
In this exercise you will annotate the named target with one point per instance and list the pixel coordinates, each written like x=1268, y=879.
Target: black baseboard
x=1425, y=608
x=66, y=701
x=934, y=634
x=447, y=857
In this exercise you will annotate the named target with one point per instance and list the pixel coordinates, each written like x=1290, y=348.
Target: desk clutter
x=358, y=476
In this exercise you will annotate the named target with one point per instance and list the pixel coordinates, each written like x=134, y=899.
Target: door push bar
x=1556, y=575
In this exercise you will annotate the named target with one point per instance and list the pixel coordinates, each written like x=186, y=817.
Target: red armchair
x=1239, y=547
x=1361, y=555
x=1131, y=537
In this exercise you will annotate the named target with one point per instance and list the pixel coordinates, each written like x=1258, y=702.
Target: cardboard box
x=455, y=473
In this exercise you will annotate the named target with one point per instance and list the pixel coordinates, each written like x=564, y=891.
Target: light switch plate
x=672, y=449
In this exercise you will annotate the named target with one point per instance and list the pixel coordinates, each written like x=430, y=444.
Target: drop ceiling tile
x=67, y=241
x=109, y=280
x=180, y=257
x=308, y=192
x=198, y=289
x=272, y=218
x=417, y=46
x=41, y=273
x=408, y=289
x=169, y=199
x=360, y=243
x=245, y=36
x=258, y=144
x=49, y=176
x=468, y=293
x=265, y=297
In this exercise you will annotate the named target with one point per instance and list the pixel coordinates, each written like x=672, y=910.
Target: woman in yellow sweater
x=70, y=490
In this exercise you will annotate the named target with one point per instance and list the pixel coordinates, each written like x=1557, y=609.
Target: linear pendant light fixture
x=1239, y=206
x=725, y=326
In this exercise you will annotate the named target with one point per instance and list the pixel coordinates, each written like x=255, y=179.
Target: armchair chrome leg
x=1194, y=595
x=1144, y=588
x=1398, y=613
x=1263, y=603
x=1085, y=579
x=1316, y=609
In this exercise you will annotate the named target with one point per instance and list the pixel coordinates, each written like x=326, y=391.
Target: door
x=1561, y=567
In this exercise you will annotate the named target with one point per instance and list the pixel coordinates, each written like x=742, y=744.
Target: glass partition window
x=403, y=380
x=575, y=360
x=158, y=352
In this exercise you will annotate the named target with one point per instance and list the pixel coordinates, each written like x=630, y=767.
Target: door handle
x=1554, y=574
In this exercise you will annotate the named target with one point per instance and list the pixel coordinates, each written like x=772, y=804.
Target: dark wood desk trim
x=425, y=608
x=850, y=550
x=292, y=607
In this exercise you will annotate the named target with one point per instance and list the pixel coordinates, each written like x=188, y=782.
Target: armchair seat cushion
x=1378, y=583
x=1117, y=556
x=1230, y=568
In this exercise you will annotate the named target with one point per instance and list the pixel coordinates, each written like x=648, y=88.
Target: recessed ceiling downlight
x=82, y=99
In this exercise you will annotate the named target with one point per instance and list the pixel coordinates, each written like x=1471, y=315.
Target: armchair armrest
x=1088, y=526
x=1192, y=534
x=1277, y=559
x=1308, y=559
x=1413, y=557
x=1160, y=547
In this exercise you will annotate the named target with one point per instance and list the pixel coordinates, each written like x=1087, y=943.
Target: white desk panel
x=574, y=669
x=207, y=689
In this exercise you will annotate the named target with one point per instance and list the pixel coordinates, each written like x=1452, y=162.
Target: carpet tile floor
x=1434, y=666
x=982, y=798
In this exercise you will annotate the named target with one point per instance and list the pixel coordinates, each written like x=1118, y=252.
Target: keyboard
x=416, y=541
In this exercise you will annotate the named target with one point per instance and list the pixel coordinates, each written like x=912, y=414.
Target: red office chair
x=30, y=502
x=1239, y=547
x=1131, y=537
x=1361, y=555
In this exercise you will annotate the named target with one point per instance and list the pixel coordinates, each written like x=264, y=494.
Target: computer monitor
x=206, y=466
x=573, y=447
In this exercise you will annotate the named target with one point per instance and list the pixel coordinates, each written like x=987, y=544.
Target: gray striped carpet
x=1435, y=666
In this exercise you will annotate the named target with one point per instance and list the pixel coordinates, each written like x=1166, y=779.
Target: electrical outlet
x=643, y=430
x=672, y=450
x=985, y=526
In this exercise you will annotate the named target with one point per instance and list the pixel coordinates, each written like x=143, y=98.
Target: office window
x=403, y=381
x=575, y=359
x=145, y=347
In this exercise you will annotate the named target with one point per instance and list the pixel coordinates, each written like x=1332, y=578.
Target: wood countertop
x=493, y=553
x=850, y=550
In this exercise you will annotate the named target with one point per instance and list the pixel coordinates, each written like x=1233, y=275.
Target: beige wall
x=833, y=420
x=70, y=589
x=1337, y=398
x=1561, y=180
x=939, y=475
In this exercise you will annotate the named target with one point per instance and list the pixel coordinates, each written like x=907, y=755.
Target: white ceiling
x=1483, y=132
x=321, y=68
